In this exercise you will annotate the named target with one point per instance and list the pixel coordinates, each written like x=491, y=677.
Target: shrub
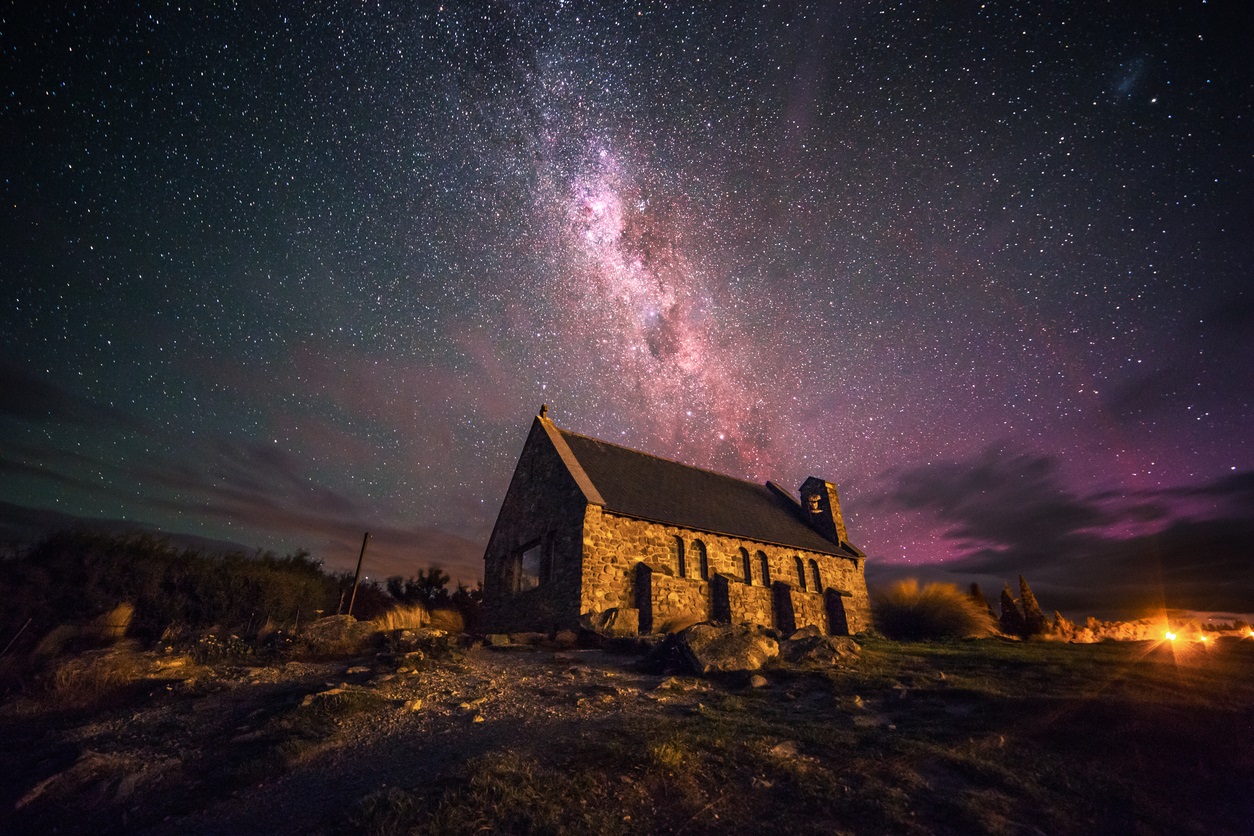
x=907, y=611
x=139, y=585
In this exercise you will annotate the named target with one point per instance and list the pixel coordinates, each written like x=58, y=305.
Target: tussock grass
x=907, y=611
x=450, y=621
x=403, y=617
x=91, y=679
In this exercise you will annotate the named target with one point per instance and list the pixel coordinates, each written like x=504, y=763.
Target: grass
x=91, y=680
x=978, y=736
x=402, y=617
x=911, y=612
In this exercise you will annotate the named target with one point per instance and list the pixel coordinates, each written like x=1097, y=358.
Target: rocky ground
x=531, y=737
x=193, y=756
x=286, y=746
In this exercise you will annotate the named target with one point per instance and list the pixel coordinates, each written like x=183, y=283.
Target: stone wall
x=661, y=597
x=614, y=544
x=543, y=506
x=809, y=608
x=746, y=603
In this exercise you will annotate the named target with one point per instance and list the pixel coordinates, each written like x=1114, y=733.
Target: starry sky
x=276, y=274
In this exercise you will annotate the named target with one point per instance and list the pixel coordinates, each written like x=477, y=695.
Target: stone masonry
x=579, y=534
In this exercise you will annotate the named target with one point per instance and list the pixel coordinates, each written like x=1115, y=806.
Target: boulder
x=820, y=650
x=616, y=621
x=337, y=634
x=710, y=648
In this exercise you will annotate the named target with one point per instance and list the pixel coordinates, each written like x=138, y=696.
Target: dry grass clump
x=907, y=611
x=91, y=678
x=450, y=621
x=403, y=617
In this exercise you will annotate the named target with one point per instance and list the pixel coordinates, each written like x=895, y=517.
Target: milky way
x=274, y=277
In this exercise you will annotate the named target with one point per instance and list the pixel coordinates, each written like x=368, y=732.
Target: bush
x=907, y=611
x=141, y=585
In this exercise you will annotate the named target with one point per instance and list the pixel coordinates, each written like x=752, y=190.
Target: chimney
x=821, y=504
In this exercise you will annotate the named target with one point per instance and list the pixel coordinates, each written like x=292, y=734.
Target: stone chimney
x=821, y=504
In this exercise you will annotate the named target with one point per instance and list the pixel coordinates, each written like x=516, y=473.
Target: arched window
x=815, y=576
x=765, y=568
x=703, y=561
x=745, y=566
x=681, y=570
x=801, y=572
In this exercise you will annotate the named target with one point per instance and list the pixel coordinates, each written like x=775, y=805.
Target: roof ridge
x=664, y=458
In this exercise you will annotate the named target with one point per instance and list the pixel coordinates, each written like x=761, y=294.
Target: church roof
x=640, y=485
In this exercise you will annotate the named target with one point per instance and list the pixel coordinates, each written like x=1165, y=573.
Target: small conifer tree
x=1034, y=621
x=1011, y=621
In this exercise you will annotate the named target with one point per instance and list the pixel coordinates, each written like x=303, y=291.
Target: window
x=801, y=572
x=815, y=576
x=703, y=561
x=765, y=568
x=745, y=566
x=680, y=569
x=532, y=570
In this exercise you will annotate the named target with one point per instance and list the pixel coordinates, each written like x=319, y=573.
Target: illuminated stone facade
x=587, y=527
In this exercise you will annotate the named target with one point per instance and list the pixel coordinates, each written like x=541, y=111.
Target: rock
x=758, y=681
x=785, y=750
x=615, y=621
x=528, y=638
x=355, y=669
x=820, y=650
x=95, y=775
x=337, y=634
x=413, y=705
x=310, y=699
x=679, y=683
x=709, y=648
x=810, y=631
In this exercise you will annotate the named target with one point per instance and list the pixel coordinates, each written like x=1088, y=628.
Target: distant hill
x=21, y=525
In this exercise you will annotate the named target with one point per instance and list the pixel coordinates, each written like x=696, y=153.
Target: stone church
x=588, y=527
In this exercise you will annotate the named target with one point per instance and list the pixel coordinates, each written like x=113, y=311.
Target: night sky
x=278, y=274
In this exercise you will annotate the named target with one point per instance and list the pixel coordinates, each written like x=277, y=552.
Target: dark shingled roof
x=640, y=485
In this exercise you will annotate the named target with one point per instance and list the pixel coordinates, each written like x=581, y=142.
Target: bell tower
x=821, y=505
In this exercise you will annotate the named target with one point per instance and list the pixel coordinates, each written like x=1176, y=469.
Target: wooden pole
x=357, y=577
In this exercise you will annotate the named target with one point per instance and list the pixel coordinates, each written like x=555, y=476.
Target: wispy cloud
x=1009, y=514
x=27, y=396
